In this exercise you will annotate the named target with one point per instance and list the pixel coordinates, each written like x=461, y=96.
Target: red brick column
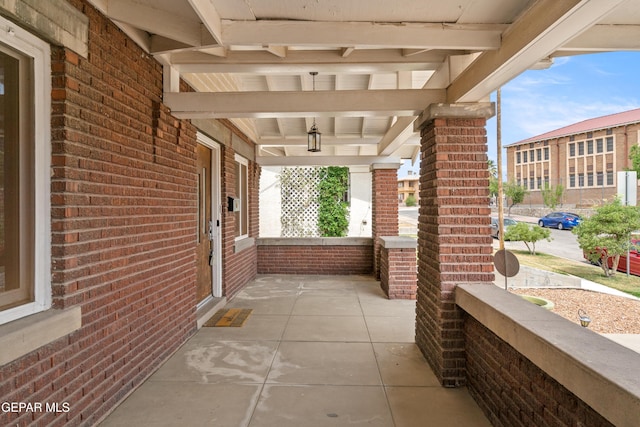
x=454, y=241
x=384, y=210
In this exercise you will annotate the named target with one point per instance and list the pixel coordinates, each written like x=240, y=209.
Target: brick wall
x=315, y=259
x=238, y=266
x=398, y=272
x=454, y=244
x=384, y=214
x=513, y=392
x=123, y=218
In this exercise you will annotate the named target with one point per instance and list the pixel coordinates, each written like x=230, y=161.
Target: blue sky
x=573, y=89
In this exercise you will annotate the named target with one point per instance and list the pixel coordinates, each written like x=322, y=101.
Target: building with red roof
x=582, y=157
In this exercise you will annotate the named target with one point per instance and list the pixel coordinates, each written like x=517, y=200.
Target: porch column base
x=398, y=276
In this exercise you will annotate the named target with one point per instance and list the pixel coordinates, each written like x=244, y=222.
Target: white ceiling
x=380, y=63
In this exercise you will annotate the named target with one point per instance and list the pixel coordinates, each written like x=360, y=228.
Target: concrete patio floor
x=316, y=351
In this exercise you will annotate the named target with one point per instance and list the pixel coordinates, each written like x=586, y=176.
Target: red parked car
x=634, y=260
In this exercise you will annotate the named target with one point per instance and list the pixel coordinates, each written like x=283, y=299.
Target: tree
x=552, y=195
x=493, y=187
x=523, y=232
x=515, y=193
x=607, y=234
x=634, y=156
x=411, y=200
x=493, y=169
x=493, y=178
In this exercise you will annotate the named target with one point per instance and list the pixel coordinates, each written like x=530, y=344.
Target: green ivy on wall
x=333, y=211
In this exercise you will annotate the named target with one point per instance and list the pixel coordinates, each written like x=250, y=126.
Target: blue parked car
x=560, y=220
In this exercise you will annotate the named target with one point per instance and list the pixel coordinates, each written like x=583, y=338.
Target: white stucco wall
x=270, y=209
x=359, y=211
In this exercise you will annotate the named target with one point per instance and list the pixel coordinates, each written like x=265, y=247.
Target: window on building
x=581, y=148
x=580, y=180
x=525, y=183
x=590, y=146
x=546, y=153
x=599, y=145
x=546, y=180
x=539, y=154
x=589, y=134
x=572, y=150
x=242, y=189
x=590, y=179
x=600, y=179
x=518, y=158
x=539, y=182
x=572, y=180
x=401, y=184
x=609, y=178
x=531, y=184
x=531, y=156
x=25, y=247
x=609, y=143
x=524, y=157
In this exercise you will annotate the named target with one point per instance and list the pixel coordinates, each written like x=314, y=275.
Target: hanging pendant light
x=313, y=136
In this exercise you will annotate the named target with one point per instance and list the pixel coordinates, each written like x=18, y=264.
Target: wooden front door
x=205, y=246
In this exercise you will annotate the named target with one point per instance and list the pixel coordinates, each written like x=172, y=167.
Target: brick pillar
x=384, y=212
x=454, y=241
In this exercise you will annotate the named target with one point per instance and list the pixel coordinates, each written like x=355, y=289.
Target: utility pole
x=500, y=189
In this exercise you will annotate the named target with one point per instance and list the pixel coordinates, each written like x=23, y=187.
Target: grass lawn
x=542, y=261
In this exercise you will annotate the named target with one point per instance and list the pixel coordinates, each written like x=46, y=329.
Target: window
x=539, y=182
x=599, y=146
x=590, y=179
x=572, y=150
x=600, y=179
x=590, y=146
x=539, y=154
x=518, y=158
x=525, y=183
x=581, y=148
x=524, y=157
x=609, y=178
x=580, y=180
x=609, y=143
x=546, y=153
x=572, y=180
x=25, y=230
x=242, y=189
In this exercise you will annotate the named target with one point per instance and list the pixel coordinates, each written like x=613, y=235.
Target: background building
x=408, y=186
x=583, y=157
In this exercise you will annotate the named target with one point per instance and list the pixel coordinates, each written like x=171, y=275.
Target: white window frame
x=40, y=54
x=244, y=213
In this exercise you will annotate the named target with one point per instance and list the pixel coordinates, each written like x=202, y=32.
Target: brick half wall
x=527, y=366
x=339, y=255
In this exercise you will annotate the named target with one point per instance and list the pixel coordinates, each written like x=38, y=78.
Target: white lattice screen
x=299, y=201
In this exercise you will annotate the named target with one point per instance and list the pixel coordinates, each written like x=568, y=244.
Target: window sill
x=245, y=243
x=22, y=336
